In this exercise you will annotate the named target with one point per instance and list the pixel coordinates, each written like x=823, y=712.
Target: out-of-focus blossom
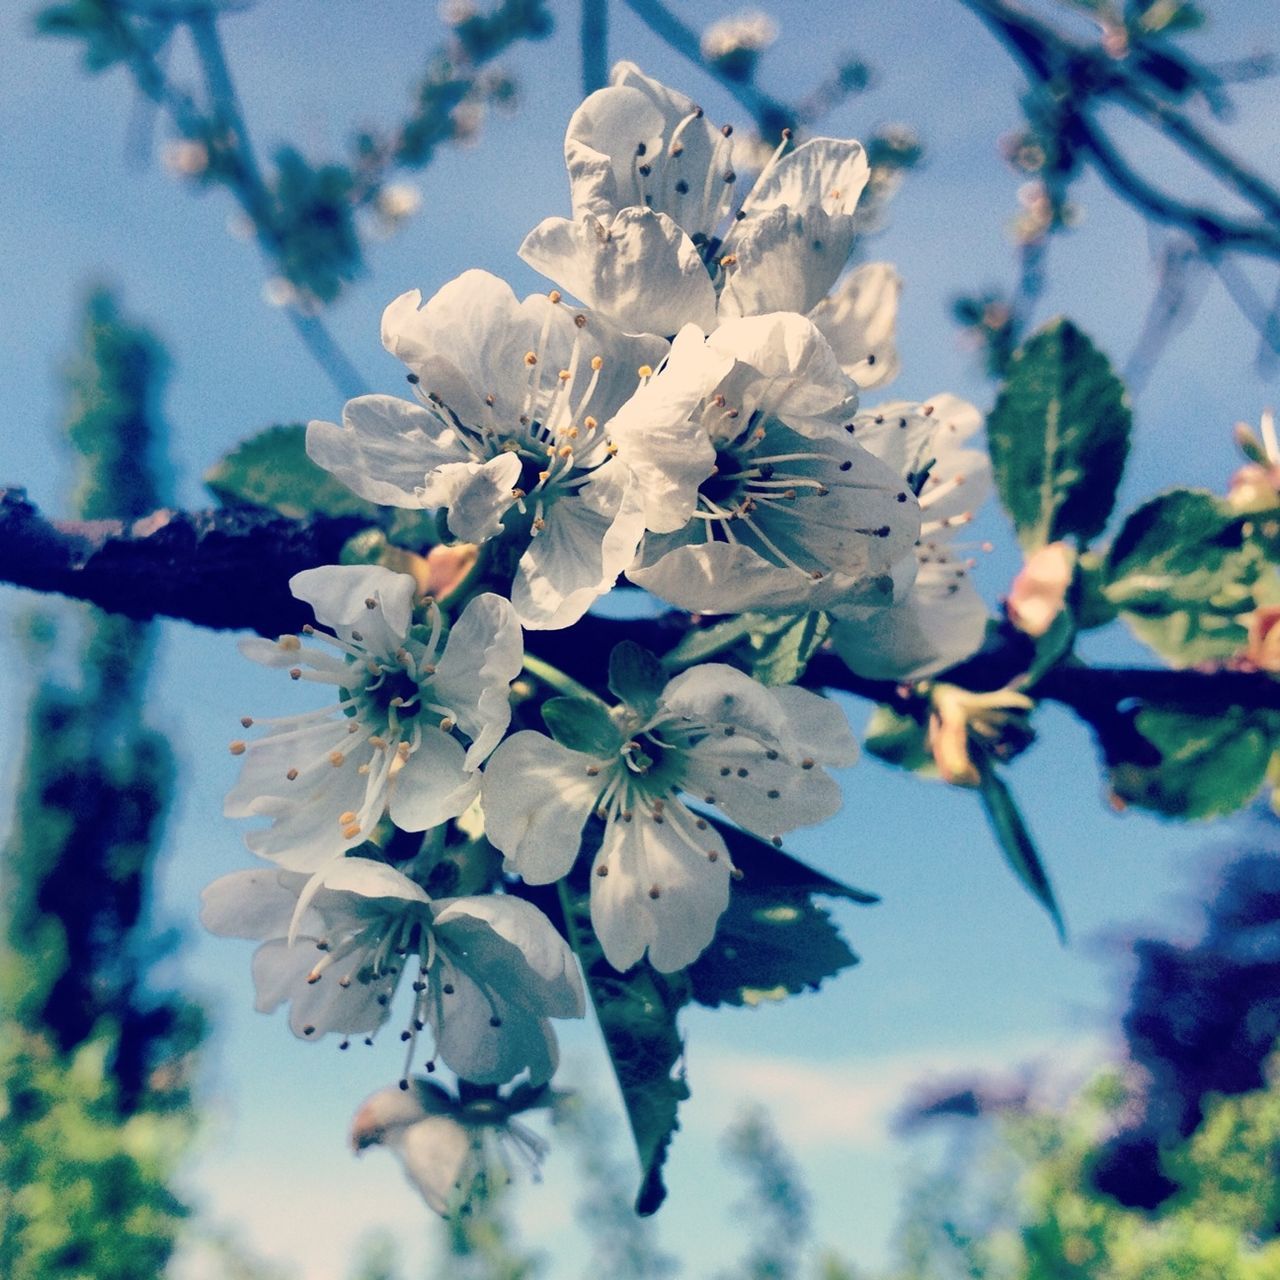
x=1039, y=592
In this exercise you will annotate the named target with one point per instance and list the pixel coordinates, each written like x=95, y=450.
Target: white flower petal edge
x=445, y=1143
x=491, y=970
x=859, y=321
x=416, y=715
x=660, y=879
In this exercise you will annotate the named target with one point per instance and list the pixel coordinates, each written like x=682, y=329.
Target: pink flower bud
x=1040, y=589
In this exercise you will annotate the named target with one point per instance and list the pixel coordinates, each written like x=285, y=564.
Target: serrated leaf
x=780, y=652
x=899, y=740
x=636, y=677
x=1059, y=437
x=1015, y=841
x=707, y=642
x=582, y=724
x=773, y=940
x=637, y=1015
x=1181, y=572
x=1209, y=765
x=272, y=470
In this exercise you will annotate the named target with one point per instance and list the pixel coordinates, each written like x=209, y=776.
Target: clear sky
x=960, y=968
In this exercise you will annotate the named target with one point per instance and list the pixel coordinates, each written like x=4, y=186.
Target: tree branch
x=230, y=569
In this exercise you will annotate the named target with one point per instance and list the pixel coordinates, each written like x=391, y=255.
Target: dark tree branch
x=230, y=569
x=220, y=569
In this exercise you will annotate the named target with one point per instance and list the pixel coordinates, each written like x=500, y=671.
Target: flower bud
x=960, y=720
x=1040, y=589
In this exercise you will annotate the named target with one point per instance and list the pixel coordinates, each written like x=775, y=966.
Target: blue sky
x=959, y=967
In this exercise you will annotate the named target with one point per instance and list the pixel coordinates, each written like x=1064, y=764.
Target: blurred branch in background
x=96, y=1064
x=304, y=216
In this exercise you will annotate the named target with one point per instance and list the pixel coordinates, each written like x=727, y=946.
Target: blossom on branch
x=663, y=234
x=507, y=437
x=450, y=1145
x=416, y=715
x=661, y=874
x=755, y=491
x=490, y=970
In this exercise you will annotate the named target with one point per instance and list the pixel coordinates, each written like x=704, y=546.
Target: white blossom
x=939, y=619
x=755, y=492
x=507, y=436
x=661, y=874
x=450, y=1145
x=661, y=235
x=415, y=717
x=490, y=970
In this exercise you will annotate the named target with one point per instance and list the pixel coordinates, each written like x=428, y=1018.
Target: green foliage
x=1010, y=831
x=582, y=724
x=1208, y=765
x=1059, y=437
x=1181, y=572
x=636, y=677
x=1019, y=1204
x=899, y=740
x=102, y=25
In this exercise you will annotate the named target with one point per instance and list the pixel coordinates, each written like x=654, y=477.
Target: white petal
x=338, y=592
x=787, y=370
x=476, y=494
x=693, y=890
x=435, y=1153
x=384, y=448
x=483, y=655
x=775, y=795
x=819, y=728
x=657, y=439
x=639, y=269
x=823, y=173
x=942, y=621
x=589, y=538
x=366, y=878
x=858, y=320
x=254, y=904
x=512, y=947
x=280, y=974
x=536, y=798
x=434, y=784
x=721, y=577
x=714, y=693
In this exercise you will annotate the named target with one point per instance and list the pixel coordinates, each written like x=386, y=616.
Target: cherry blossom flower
x=449, y=1145
x=662, y=236
x=490, y=970
x=507, y=436
x=755, y=492
x=661, y=875
x=938, y=618
x=416, y=715
x=1038, y=594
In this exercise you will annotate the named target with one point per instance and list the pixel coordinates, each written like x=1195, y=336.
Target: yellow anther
x=564, y=375
x=542, y=475
x=402, y=750
x=346, y=819
x=363, y=770
x=308, y=629
x=337, y=759
x=379, y=742
x=729, y=259
x=645, y=371
x=597, y=362
x=570, y=432
x=590, y=423
x=565, y=451
x=238, y=748
x=611, y=448
x=350, y=833
x=290, y=644
x=530, y=358
x=539, y=524
x=554, y=295
x=447, y=723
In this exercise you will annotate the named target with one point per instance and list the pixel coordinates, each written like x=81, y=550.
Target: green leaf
x=636, y=677
x=1209, y=764
x=1181, y=572
x=781, y=651
x=1015, y=840
x=582, y=724
x=637, y=1015
x=706, y=642
x=271, y=469
x=899, y=740
x=772, y=941
x=1059, y=437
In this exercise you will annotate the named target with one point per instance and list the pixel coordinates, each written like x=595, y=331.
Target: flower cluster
x=692, y=422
